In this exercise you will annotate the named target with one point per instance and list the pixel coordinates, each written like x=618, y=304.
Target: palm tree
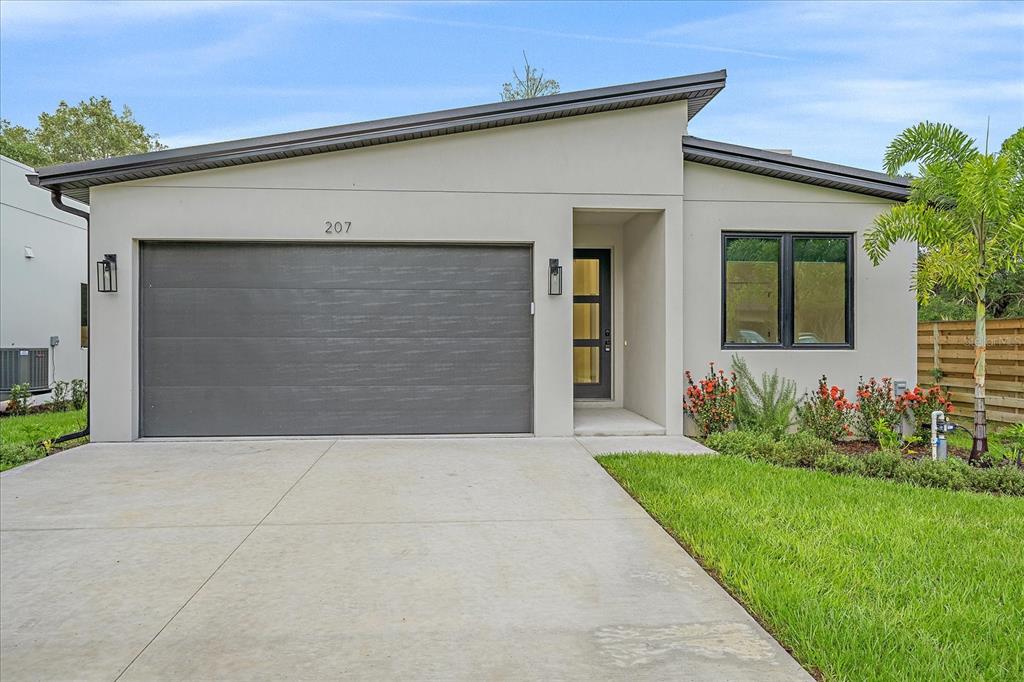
x=966, y=213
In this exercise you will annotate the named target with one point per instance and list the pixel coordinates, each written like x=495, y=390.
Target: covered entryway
x=246, y=339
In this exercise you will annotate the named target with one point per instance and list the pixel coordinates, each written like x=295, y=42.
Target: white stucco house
x=43, y=287
x=505, y=268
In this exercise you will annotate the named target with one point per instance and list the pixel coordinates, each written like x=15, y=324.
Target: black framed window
x=787, y=290
x=83, y=313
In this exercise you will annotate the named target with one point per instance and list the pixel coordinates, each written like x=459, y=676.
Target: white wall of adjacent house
x=42, y=268
x=721, y=200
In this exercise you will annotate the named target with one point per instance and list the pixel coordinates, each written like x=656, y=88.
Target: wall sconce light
x=106, y=274
x=554, y=277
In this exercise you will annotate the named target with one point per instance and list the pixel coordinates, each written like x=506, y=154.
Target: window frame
x=786, y=286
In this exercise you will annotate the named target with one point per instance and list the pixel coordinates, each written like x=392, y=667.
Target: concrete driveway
x=512, y=558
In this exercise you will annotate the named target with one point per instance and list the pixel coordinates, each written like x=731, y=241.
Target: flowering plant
x=826, y=413
x=711, y=401
x=921, y=403
x=877, y=401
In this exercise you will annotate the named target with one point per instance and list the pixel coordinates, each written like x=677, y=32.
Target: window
x=787, y=290
x=83, y=312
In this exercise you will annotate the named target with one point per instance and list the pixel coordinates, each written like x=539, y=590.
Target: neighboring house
x=43, y=291
x=393, y=277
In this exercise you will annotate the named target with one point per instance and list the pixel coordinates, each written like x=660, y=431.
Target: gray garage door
x=301, y=339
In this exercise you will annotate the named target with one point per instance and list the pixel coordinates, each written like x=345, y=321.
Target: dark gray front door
x=241, y=339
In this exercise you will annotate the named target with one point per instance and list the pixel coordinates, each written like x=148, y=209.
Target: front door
x=592, y=323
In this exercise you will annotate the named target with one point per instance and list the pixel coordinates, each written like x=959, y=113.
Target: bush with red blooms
x=826, y=413
x=876, y=401
x=711, y=401
x=921, y=403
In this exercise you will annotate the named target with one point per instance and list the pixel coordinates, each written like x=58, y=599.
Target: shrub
x=882, y=464
x=1012, y=441
x=60, y=396
x=750, y=444
x=806, y=448
x=952, y=474
x=921, y=403
x=1006, y=480
x=877, y=401
x=826, y=413
x=79, y=393
x=13, y=454
x=711, y=401
x=838, y=463
x=767, y=406
x=18, y=402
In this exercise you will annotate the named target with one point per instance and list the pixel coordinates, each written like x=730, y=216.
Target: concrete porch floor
x=612, y=421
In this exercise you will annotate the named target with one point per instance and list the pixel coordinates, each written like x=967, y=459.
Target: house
x=44, y=333
x=478, y=270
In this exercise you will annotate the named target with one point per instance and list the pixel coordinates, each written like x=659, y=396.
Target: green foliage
x=711, y=401
x=752, y=444
x=16, y=454
x=806, y=449
x=531, y=84
x=17, y=402
x=79, y=394
x=861, y=579
x=60, y=396
x=766, y=406
x=965, y=213
x=89, y=130
x=826, y=413
x=877, y=402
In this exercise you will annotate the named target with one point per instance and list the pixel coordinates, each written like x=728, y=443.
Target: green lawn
x=860, y=578
x=19, y=435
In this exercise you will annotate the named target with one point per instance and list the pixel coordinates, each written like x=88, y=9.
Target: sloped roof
x=75, y=179
x=795, y=168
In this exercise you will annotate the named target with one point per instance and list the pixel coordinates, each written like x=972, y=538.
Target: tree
x=966, y=212
x=532, y=84
x=89, y=130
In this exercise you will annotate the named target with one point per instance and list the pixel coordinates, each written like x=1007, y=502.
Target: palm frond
x=985, y=188
x=911, y=222
x=928, y=142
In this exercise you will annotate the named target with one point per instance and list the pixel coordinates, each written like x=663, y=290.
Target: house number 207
x=337, y=227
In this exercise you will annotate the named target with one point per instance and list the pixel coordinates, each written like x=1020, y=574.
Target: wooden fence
x=945, y=356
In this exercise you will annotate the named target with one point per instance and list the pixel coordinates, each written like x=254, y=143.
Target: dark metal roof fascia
x=795, y=168
x=80, y=176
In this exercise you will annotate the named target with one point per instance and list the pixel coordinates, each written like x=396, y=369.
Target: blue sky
x=834, y=81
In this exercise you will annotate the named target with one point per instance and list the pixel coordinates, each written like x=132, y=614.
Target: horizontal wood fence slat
x=945, y=356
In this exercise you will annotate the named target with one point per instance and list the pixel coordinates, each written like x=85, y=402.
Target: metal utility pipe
x=58, y=202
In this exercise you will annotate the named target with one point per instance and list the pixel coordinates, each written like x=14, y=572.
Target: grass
x=19, y=435
x=861, y=579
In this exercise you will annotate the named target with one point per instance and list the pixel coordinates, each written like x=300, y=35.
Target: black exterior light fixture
x=106, y=274
x=554, y=277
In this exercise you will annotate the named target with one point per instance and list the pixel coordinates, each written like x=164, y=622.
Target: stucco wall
x=40, y=297
x=517, y=184
x=885, y=315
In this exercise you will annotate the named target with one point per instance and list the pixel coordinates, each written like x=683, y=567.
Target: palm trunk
x=980, y=444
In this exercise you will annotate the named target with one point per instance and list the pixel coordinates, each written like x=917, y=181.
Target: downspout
x=58, y=202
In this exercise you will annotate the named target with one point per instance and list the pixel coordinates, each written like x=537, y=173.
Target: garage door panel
x=335, y=313
x=327, y=362
x=322, y=266
x=329, y=339
x=343, y=410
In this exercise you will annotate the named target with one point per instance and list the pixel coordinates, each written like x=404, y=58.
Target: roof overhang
x=75, y=179
x=795, y=168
